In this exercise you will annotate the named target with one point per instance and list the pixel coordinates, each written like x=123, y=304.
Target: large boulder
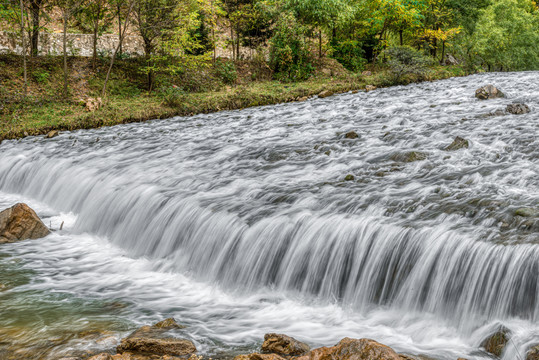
x=517, y=109
x=153, y=340
x=495, y=343
x=488, y=92
x=353, y=349
x=283, y=345
x=21, y=223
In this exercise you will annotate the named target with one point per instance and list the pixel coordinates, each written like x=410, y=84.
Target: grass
x=44, y=110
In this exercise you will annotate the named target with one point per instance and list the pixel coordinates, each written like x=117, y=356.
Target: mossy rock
x=526, y=212
x=349, y=177
x=457, y=144
x=495, y=343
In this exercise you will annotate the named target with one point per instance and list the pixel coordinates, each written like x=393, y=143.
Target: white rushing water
x=240, y=223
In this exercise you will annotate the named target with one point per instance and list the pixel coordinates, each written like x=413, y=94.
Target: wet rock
x=488, y=92
x=303, y=98
x=325, y=94
x=21, y=223
x=157, y=346
x=495, y=343
x=283, y=345
x=102, y=356
x=349, y=177
x=51, y=134
x=366, y=73
x=533, y=353
x=370, y=88
x=526, y=212
x=151, y=340
x=410, y=156
x=353, y=349
x=169, y=323
x=517, y=109
x=257, y=356
x=458, y=143
x=351, y=135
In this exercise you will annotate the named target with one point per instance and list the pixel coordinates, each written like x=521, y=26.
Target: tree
x=507, y=36
x=95, y=17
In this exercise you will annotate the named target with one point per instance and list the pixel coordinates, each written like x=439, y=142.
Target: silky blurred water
x=240, y=223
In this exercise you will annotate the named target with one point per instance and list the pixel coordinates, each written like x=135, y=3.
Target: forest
x=281, y=41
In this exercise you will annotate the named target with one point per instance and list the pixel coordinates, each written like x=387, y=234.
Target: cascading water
x=239, y=223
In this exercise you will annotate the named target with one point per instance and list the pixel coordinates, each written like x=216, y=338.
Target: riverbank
x=45, y=110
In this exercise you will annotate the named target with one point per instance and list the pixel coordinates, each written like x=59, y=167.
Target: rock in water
x=157, y=346
x=169, y=323
x=257, y=356
x=533, y=353
x=410, y=156
x=351, y=135
x=517, y=109
x=370, y=88
x=458, y=143
x=51, y=134
x=325, y=94
x=495, y=343
x=353, y=349
x=283, y=345
x=488, y=92
x=20, y=223
x=151, y=340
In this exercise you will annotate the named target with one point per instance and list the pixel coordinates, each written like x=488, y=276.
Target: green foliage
x=173, y=96
x=226, y=71
x=41, y=77
x=290, y=57
x=403, y=62
x=507, y=35
x=350, y=54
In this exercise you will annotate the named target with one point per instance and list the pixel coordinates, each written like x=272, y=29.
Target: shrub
x=406, y=63
x=173, y=96
x=350, y=54
x=290, y=58
x=41, y=77
x=226, y=71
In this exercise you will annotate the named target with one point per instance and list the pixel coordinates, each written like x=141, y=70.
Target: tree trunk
x=94, y=53
x=35, y=6
x=232, y=41
x=443, y=53
x=120, y=28
x=23, y=35
x=64, y=45
x=320, y=44
x=400, y=37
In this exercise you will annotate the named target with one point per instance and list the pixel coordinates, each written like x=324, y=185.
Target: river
x=240, y=223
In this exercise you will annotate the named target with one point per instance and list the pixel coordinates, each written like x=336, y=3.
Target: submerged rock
x=353, y=349
x=349, y=177
x=517, y=109
x=495, y=343
x=410, y=156
x=20, y=222
x=488, y=92
x=169, y=323
x=526, y=212
x=458, y=143
x=283, y=345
